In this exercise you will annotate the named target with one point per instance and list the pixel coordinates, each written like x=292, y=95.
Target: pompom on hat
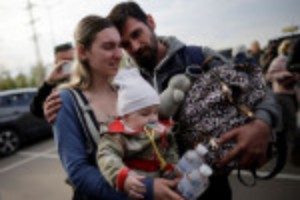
x=134, y=92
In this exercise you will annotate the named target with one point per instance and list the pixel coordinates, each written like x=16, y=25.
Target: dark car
x=17, y=125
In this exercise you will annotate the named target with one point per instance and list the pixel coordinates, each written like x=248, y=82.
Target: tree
x=37, y=76
x=21, y=81
x=6, y=81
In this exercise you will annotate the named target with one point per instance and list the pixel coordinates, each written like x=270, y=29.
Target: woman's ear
x=151, y=21
x=81, y=52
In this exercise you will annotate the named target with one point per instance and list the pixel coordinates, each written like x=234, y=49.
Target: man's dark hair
x=63, y=47
x=122, y=11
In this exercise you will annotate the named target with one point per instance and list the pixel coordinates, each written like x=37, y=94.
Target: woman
x=97, y=62
x=98, y=55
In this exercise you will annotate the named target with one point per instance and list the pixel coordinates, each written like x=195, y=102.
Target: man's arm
x=36, y=106
x=56, y=76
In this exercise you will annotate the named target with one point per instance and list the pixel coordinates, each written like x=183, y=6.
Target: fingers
x=138, y=185
x=51, y=106
x=174, y=195
x=230, y=156
x=170, y=183
x=133, y=194
x=61, y=63
x=228, y=136
x=137, y=189
x=163, y=189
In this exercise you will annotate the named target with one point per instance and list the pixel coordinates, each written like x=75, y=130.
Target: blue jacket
x=80, y=165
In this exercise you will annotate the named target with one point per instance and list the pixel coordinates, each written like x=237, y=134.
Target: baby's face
x=138, y=119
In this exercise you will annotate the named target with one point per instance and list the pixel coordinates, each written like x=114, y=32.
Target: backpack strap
x=87, y=119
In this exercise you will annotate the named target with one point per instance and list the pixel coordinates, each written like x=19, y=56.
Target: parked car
x=17, y=125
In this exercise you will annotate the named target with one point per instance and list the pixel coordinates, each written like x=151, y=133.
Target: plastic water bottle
x=192, y=185
x=192, y=159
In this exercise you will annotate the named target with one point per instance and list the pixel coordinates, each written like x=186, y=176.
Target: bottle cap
x=201, y=149
x=191, y=155
x=205, y=170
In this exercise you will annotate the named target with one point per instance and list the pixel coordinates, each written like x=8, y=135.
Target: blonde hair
x=85, y=34
x=284, y=47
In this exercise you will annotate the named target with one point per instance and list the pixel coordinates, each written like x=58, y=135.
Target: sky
x=218, y=24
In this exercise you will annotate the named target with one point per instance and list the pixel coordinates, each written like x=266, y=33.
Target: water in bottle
x=192, y=185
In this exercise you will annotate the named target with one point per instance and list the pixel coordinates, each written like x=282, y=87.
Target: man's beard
x=146, y=56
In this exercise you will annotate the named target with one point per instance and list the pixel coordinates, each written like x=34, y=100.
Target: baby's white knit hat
x=134, y=92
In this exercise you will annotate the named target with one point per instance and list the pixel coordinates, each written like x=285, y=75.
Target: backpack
x=221, y=98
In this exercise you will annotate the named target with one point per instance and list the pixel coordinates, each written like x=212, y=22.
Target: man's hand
x=52, y=106
x=57, y=74
x=165, y=189
x=251, y=144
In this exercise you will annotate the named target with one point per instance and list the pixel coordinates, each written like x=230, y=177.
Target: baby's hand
x=134, y=187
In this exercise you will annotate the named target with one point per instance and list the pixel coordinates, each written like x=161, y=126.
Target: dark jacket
x=36, y=106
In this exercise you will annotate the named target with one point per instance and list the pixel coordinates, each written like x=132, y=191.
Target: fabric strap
x=87, y=119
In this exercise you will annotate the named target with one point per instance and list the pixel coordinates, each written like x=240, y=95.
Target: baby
x=137, y=144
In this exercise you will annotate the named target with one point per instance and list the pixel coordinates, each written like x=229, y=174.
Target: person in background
x=240, y=55
x=270, y=52
x=255, y=51
x=283, y=85
x=63, y=54
x=293, y=66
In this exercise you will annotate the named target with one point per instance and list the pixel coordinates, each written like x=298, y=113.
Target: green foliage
x=21, y=80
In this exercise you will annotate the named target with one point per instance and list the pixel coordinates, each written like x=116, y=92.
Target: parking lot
x=35, y=173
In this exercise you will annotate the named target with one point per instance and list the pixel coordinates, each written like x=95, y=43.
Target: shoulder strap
x=87, y=119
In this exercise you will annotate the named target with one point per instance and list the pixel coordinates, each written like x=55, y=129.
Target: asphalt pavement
x=35, y=173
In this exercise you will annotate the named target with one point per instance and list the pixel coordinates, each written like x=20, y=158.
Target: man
x=159, y=58
x=63, y=54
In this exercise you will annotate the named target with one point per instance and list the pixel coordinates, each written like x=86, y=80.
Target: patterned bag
x=220, y=99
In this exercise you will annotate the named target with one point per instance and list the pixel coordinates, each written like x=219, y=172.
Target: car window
x=4, y=101
x=21, y=99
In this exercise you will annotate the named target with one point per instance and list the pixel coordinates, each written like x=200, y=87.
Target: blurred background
x=31, y=28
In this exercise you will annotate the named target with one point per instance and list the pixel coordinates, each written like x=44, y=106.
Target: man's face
x=64, y=55
x=140, y=42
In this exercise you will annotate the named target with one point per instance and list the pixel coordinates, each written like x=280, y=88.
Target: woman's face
x=105, y=53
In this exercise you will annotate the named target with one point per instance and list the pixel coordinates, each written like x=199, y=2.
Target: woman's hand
x=166, y=189
x=52, y=106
